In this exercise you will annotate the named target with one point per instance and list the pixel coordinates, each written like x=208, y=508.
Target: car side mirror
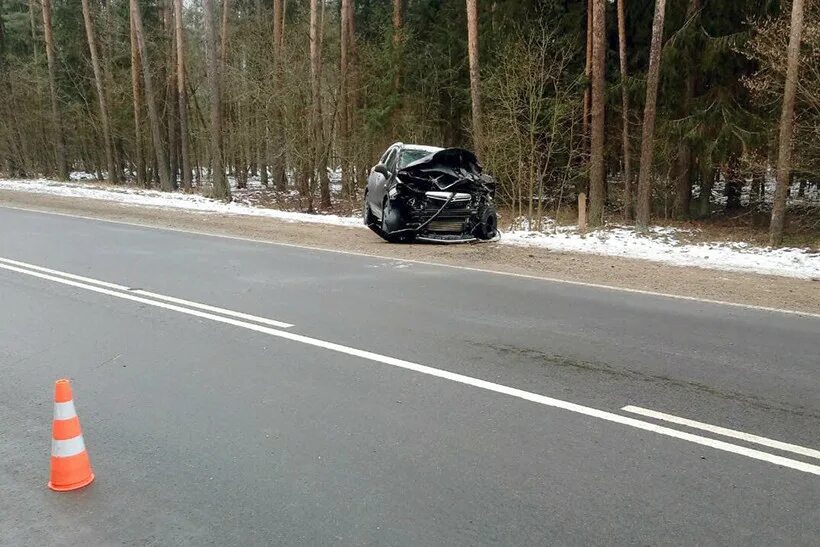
x=382, y=170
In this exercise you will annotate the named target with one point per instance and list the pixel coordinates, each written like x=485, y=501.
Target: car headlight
x=393, y=192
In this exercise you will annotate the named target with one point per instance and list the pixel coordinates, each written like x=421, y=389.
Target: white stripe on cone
x=64, y=411
x=67, y=447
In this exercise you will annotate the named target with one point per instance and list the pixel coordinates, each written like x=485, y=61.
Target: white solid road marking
x=451, y=376
x=435, y=264
x=114, y=286
x=771, y=443
x=223, y=311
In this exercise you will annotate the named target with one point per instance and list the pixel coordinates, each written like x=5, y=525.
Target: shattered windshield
x=409, y=155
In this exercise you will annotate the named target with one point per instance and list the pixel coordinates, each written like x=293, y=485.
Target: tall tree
x=319, y=166
x=475, y=78
x=278, y=159
x=627, y=159
x=261, y=120
x=150, y=99
x=344, y=99
x=597, y=167
x=784, y=151
x=649, y=113
x=683, y=184
x=588, y=75
x=182, y=94
x=33, y=24
x=136, y=94
x=102, y=95
x=56, y=117
x=171, y=99
x=221, y=189
x=399, y=8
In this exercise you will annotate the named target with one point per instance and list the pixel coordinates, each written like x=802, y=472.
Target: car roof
x=420, y=147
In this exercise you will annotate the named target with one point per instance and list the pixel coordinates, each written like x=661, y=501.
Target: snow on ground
x=666, y=245
x=166, y=200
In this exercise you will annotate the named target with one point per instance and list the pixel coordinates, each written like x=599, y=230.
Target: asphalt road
x=407, y=404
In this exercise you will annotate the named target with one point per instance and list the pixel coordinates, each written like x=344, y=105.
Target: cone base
x=69, y=487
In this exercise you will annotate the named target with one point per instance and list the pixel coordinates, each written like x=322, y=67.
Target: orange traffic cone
x=70, y=466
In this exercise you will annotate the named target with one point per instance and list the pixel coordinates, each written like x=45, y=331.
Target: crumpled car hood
x=445, y=168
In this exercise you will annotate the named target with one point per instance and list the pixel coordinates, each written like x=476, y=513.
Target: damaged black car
x=430, y=194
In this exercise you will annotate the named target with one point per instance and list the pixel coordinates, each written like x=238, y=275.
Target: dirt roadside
x=741, y=288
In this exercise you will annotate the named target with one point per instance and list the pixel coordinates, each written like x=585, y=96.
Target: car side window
x=390, y=161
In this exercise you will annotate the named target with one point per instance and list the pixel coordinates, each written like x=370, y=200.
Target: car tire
x=387, y=212
x=367, y=214
x=487, y=227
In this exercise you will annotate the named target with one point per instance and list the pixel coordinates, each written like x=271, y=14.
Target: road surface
x=234, y=392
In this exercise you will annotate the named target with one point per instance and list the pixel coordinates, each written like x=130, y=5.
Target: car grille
x=451, y=220
x=447, y=225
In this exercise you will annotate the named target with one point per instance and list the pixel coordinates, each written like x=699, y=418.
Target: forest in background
x=655, y=109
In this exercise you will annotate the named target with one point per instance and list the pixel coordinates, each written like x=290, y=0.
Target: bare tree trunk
x=171, y=99
x=278, y=166
x=628, y=210
x=359, y=152
x=650, y=110
x=683, y=185
x=263, y=113
x=475, y=78
x=182, y=94
x=59, y=138
x=319, y=168
x=108, y=78
x=139, y=163
x=588, y=74
x=221, y=189
x=784, y=152
x=150, y=98
x=105, y=119
x=597, y=171
x=398, y=40
x=223, y=48
x=344, y=99
x=33, y=24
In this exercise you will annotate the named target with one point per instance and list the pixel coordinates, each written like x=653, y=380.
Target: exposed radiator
x=446, y=225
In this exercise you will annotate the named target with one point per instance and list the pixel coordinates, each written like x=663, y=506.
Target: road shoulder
x=616, y=272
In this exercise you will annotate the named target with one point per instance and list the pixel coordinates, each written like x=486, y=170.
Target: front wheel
x=367, y=214
x=487, y=227
x=391, y=222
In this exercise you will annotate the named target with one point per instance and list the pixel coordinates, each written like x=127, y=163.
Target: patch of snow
x=662, y=244
x=169, y=200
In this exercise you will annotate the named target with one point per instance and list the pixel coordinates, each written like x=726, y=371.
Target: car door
x=376, y=182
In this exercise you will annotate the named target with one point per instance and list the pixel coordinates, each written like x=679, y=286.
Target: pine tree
x=649, y=114
x=784, y=150
x=475, y=79
x=56, y=116
x=221, y=190
x=597, y=171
